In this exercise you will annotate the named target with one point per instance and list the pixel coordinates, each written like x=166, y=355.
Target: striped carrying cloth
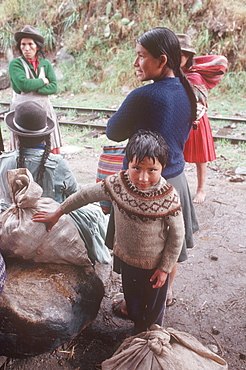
x=2, y=273
x=205, y=73
x=110, y=162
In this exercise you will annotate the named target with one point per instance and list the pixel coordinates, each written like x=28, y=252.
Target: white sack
x=23, y=238
x=160, y=349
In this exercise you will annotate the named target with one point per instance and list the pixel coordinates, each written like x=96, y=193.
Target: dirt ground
x=209, y=288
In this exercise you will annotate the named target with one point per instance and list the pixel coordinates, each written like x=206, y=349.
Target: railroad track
x=88, y=117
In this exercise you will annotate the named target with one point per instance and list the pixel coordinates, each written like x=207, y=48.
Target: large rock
x=63, y=57
x=45, y=305
x=4, y=79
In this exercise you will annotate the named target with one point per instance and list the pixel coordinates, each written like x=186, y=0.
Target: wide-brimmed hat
x=28, y=32
x=185, y=43
x=29, y=119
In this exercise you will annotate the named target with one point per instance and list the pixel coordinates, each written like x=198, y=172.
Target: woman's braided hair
x=161, y=40
x=30, y=142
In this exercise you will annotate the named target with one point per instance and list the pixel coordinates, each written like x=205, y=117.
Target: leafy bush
x=101, y=35
x=234, y=82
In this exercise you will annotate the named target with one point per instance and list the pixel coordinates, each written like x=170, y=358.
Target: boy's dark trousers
x=145, y=305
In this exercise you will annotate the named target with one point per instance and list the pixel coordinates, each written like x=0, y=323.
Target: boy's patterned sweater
x=149, y=228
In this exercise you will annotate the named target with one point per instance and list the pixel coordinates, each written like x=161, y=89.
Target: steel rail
x=110, y=111
x=232, y=139
x=87, y=120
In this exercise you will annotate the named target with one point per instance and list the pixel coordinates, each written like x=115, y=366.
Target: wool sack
x=160, y=349
x=23, y=238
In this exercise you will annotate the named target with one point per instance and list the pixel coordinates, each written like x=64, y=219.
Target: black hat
x=29, y=119
x=185, y=43
x=28, y=32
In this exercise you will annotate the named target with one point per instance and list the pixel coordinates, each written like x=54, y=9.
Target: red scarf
x=34, y=63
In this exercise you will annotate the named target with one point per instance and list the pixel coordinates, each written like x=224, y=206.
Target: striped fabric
x=2, y=273
x=205, y=73
x=110, y=162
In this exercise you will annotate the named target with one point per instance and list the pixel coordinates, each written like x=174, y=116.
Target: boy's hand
x=50, y=218
x=160, y=277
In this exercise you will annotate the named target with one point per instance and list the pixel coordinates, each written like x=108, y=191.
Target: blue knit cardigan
x=162, y=106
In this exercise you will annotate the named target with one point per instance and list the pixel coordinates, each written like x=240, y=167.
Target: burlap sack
x=21, y=237
x=160, y=349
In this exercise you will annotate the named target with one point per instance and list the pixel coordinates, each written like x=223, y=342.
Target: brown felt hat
x=29, y=119
x=28, y=32
x=185, y=43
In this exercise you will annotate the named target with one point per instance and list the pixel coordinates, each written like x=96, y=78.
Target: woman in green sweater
x=33, y=78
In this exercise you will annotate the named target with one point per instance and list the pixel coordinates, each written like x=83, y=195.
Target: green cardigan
x=20, y=83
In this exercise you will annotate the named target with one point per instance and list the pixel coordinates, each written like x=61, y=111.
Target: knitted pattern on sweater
x=149, y=227
x=159, y=201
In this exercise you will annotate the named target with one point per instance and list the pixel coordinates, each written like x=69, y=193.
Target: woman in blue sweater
x=167, y=105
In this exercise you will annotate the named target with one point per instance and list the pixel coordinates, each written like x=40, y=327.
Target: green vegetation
x=229, y=156
x=82, y=137
x=101, y=35
x=233, y=82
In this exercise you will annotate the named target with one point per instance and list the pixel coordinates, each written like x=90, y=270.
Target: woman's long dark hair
x=31, y=142
x=40, y=45
x=162, y=40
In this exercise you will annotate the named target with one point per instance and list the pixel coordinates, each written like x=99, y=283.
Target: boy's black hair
x=149, y=144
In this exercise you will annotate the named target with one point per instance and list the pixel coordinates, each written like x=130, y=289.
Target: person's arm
x=87, y=194
x=51, y=87
x=172, y=248
x=174, y=241
x=120, y=126
x=19, y=82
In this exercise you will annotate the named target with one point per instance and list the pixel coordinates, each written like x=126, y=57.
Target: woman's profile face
x=28, y=48
x=147, y=67
x=184, y=59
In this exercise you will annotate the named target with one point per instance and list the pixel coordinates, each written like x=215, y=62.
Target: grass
x=234, y=82
x=226, y=103
x=89, y=99
x=86, y=138
x=230, y=156
x=79, y=26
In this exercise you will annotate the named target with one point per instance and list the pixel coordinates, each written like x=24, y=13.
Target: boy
x=149, y=228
